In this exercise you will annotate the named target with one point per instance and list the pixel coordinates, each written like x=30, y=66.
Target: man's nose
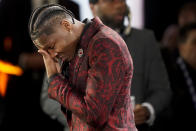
x=119, y=5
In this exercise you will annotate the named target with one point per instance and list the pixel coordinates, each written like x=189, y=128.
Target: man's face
x=189, y=48
x=111, y=12
x=60, y=44
x=186, y=17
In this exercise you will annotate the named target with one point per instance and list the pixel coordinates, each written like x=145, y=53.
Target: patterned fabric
x=188, y=79
x=96, y=96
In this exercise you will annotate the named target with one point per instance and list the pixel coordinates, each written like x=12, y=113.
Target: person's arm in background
x=158, y=93
x=50, y=106
x=31, y=61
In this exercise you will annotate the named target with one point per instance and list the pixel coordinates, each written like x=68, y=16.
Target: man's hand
x=52, y=67
x=141, y=114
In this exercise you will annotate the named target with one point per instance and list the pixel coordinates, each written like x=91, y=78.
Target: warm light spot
x=3, y=83
x=8, y=68
x=7, y=44
x=5, y=70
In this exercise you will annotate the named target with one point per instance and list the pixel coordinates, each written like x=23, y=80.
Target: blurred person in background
x=169, y=50
x=187, y=14
x=150, y=85
x=183, y=81
x=169, y=39
x=169, y=42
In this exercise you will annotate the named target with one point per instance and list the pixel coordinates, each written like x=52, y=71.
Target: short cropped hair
x=189, y=7
x=185, y=30
x=93, y=1
x=44, y=18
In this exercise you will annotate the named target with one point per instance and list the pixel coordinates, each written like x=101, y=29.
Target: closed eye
x=50, y=46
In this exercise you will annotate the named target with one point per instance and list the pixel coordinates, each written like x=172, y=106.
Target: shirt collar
x=90, y=29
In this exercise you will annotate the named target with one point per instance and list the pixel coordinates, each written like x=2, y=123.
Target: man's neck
x=78, y=28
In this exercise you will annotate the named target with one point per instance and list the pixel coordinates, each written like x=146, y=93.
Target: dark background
x=159, y=14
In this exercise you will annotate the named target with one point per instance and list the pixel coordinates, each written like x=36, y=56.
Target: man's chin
x=115, y=24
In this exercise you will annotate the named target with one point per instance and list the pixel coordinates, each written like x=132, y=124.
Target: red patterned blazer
x=96, y=95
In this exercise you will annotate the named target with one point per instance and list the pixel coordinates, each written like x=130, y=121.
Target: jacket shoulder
x=142, y=32
x=140, y=37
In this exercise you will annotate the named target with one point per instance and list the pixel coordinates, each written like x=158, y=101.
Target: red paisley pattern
x=97, y=93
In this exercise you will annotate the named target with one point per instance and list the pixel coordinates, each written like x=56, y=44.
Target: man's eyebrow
x=38, y=46
x=37, y=43
x=50, y=43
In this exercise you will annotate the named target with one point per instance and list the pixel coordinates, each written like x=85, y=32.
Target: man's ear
x=66, y=24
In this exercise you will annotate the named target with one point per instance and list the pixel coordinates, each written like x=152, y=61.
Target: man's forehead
x=38, y=44
x=41, y=41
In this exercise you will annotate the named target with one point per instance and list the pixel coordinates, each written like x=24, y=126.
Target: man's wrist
x=50, y=79
x=151, y=117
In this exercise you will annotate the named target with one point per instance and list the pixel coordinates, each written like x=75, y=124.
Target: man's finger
x=140, y=114
x=140, y=119
x=137, y=108
x=139, y=122
x=43, y=53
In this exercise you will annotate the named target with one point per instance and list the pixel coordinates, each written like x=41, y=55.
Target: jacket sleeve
x=156, y=75
x=105, y=75
x=50, y=106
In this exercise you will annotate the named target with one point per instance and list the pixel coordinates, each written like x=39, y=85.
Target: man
x=187, y=14
x=150, y=85
x=183, y=81
x=94, y=90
